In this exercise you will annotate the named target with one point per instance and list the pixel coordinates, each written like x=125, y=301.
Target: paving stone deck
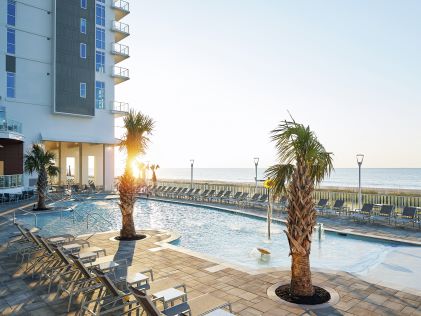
x=22, y=295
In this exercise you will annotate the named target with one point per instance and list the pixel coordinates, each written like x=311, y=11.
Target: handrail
x=97, y=214
x=26, y=212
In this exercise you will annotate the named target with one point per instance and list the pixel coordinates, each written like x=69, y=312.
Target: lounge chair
x=408, y=215
x=202, y=196
x=185, y=195
x=201, y=305
x=217, y=196
x=175, y=192
x=321, y=205
x=87, y=281
x=386, y=213
x=337, y=208
x=261, y=202
x=365, y=213
x=234, y=199
x=182, y=192
x=252, y=200
x=210, y=194
x=192, y=194
x=225, y=196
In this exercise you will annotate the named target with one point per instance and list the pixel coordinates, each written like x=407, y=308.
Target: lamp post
x=256, y=163
x=191, y=173
x=360, y=159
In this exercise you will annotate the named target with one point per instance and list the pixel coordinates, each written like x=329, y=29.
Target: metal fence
x=350, y=198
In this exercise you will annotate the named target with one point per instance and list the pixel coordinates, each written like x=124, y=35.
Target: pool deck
x=22, y=295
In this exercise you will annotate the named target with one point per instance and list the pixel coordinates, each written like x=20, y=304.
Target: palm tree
x=41, y=161
x=135, y=141
x=303, y=163
x=154, y=168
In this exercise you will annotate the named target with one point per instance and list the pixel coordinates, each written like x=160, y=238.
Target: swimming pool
x=225, y=236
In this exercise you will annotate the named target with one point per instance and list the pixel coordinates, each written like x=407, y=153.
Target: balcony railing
x=121, y=4
x=120, y=49
x=11, y=181
x=11, y=126
x=120, y=107
x=120, y=74
x=120, y=27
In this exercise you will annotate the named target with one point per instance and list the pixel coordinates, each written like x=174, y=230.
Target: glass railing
x=11, y=181
x=120, y=72
x=121, y=4
x=120, y=27
x=120, y=106
x=120, y=49
x=11, y=126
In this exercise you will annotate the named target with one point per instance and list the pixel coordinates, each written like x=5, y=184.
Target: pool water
x=230, y=237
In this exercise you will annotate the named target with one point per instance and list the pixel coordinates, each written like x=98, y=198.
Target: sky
x=218, y=75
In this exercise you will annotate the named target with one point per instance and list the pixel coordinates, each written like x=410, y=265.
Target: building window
x=100, y=38
x=83, y=26
x=83, y=90
x=83, y=4
x=83, y=50
x=11, y=40
x=102, y=1
x=100, y=94
x=11, y=84
x=100, y=14
x=11, y=12
x=100, y=61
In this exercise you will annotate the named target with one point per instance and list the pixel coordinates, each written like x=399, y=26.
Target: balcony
x=120, y=74
x=121, y=8
x=11, y=129
x=11, y=181
x=120, y=52
x=121, y=31
x=120, y=108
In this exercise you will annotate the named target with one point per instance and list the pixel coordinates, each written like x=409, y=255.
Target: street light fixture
x=360, y=159
x=256, y=163
x=191, y=173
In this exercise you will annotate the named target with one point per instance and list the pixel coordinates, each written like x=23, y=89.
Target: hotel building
x=61, y=62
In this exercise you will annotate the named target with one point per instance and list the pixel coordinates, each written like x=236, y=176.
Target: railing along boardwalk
x=350, y=198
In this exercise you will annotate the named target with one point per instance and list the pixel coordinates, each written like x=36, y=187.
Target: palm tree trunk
x=127, y=189
x=300, y=224
x=301, y=284
x=42, y=188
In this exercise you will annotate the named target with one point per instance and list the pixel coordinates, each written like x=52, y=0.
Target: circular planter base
x=137, y=238
x=280, y=293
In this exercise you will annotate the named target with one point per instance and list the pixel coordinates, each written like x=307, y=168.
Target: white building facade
x=57, y=87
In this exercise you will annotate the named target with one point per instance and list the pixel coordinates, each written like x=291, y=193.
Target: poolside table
x=170, y=296
x=94, y=249
x=87, y=256
x=72, y=248
x=58, y=240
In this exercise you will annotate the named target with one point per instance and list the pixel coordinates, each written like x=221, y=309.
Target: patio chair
x=321, y=205
x=201, y=305
x=243, y=197
x=175, y=192
x=386, y=213
x=337, y=208
x=408, y=215
x=365, y=213
x=169, y=191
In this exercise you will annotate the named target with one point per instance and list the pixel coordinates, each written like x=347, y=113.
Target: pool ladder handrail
x=96, y=214
x=26, y=212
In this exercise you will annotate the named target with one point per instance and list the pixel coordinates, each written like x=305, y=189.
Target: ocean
x=393, y=178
